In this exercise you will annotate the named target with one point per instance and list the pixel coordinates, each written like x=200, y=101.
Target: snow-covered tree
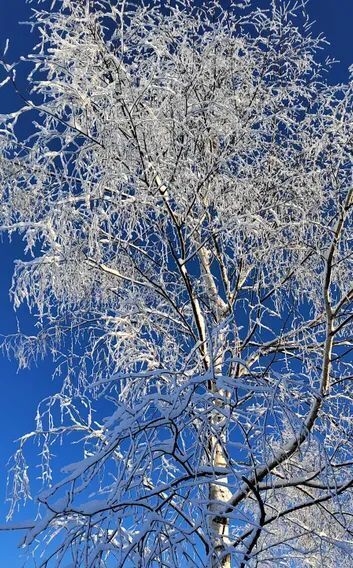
x=185, y=196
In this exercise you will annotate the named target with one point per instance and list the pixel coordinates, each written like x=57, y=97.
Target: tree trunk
x=219, y=493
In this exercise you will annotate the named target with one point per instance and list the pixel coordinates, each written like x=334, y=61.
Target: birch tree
x=185, y=199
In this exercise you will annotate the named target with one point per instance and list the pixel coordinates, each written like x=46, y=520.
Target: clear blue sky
x=22, y=391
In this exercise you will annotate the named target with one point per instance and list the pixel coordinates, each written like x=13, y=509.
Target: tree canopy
x=185, y=196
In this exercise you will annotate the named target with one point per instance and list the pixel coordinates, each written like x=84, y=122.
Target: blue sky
x=22, y=391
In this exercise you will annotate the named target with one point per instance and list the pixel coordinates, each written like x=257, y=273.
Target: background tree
x=186, y=197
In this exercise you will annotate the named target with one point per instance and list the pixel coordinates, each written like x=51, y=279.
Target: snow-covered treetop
x=185, y=196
